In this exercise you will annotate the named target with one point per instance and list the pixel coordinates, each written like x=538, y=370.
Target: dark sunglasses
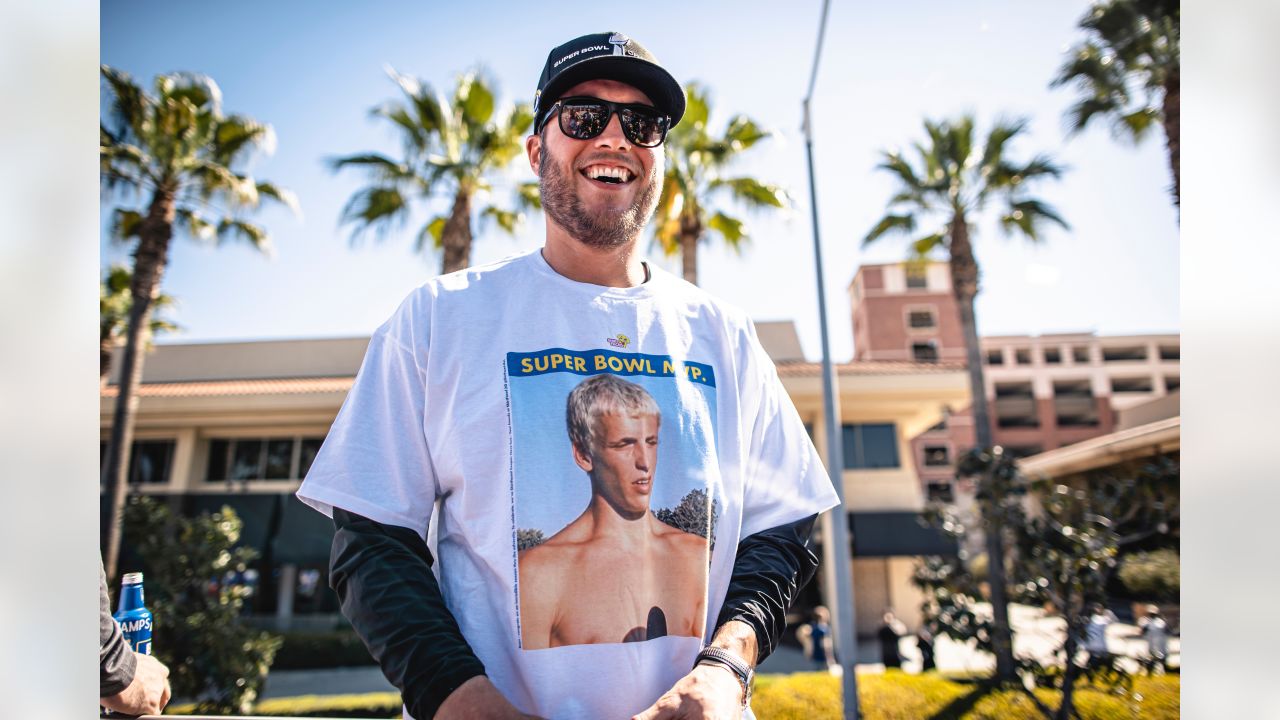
x=583, y=118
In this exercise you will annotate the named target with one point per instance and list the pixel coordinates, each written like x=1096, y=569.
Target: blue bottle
x=133, y=615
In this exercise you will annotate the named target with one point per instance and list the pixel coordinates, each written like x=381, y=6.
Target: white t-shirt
x=463, y=396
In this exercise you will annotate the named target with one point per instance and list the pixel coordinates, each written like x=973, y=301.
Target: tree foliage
x=114, y=303
x=698, y=172
x=450, y=149
x=1127, y=70
x=175, y=153
x=1064, y=548
x=528, y=538
x=1156, y=575
x=695, y=513
x=189, y=564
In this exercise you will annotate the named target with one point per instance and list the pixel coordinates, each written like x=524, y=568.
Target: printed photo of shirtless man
x=616, y=573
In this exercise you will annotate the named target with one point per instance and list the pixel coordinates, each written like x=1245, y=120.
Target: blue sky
x=313, y=70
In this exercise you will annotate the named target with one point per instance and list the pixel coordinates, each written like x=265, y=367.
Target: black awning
x=889, y=534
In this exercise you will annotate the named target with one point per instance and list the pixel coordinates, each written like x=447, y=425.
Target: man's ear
x=583, y=459
x=533, y=148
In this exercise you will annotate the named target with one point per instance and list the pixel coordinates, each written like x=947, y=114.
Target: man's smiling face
x=601, y=191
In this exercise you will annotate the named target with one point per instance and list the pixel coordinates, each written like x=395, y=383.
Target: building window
x=1170, y=352
x=1015, y=406
x=1022, y=356
x=916, y=280
x=1171, y=383
x=1124, y=354
x=1022, y=451
x=937, y=456
x=245, y=459
x=924, y=352
x=870, y=446
x=1080, y=355
x=940, y=492
x=921, y=319
x=995, y=357
x=1052, y=356
x=1073, y=404
x=150, y=461
x=1132, y=385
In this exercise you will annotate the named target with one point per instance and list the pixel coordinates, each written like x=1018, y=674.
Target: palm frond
x=475, y=99
x=921, y=247
x=529, y=196
x=193, y=223
x=433, y=231
x=125, y=224
x=285, y=197
x=1029, y=217
x=236, y=134
x=237, y=229
x=752, y=192
x=697, y=107
x=890, y=224
x=731, y=229
x=508, y=220
x=742, y=133
x=377, y=208
x=128, y=102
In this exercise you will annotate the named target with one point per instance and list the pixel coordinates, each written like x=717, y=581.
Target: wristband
x=732, y=663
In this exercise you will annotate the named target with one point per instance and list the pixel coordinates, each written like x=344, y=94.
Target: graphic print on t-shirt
x=615, y=489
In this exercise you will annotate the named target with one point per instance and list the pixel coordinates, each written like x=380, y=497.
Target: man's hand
x=478, y=699
x=708, y=692
x=147, y=694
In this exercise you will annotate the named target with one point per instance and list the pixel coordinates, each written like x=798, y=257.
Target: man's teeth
x=598, y=172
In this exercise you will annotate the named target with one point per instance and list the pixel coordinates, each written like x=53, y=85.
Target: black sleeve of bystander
x=382, y=575
x=768, y=572
x=116, y=662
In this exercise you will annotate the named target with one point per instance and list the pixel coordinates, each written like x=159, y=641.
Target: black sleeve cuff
x=382, y=575
x=770, y=569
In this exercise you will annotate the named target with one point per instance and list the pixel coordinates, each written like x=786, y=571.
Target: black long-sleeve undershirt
x=382, y=575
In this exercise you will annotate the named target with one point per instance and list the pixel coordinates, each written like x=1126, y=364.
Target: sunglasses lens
x=644, y=128
x=583, y=122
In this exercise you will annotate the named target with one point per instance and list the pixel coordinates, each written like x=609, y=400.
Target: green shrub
x=1155, y=574
x=212, y=656
x=315, y=651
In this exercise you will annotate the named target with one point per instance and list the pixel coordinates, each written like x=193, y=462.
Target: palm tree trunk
x=1172, y=100
x=690, y=232
x=964, y=285
x=104, y=361
x=148, y=266
x=456, y=237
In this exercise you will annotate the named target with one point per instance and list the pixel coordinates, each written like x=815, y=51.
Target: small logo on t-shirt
x=619, y=341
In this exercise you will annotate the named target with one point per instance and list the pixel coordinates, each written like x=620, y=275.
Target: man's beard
x=605, y=229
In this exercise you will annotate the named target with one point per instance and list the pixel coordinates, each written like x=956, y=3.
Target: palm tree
x=697, y=163
x=449, y=150
x=950, y=188
x=1127, y=70
x=114, y=300
x=174, y=147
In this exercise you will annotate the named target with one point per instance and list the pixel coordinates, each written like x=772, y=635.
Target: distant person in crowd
x=128, y=682
x=820, y=650
x=890, y=632
x=924, y=642
x=1095, y=634
x=1156, y=631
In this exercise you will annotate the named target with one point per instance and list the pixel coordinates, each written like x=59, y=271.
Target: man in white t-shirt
x=449, y=445
x=616, y=573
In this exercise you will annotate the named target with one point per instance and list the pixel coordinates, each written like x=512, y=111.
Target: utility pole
x=837, y=551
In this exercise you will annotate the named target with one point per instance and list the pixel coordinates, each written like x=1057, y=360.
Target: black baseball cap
x=609, y=56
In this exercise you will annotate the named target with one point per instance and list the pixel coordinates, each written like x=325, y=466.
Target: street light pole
x=837, y=551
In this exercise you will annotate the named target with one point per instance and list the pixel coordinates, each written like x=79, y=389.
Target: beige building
x=239, y=423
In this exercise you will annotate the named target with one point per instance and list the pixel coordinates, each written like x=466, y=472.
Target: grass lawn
x=893, y=695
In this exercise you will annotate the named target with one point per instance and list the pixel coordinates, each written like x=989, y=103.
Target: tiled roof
x=869, y=367
x=211, y=388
